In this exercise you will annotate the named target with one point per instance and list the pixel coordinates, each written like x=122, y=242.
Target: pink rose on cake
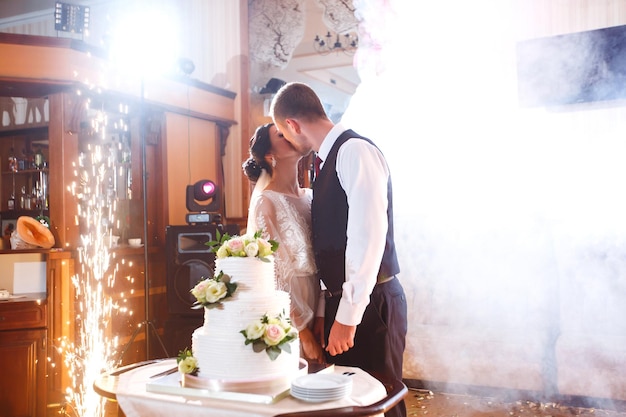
x=274, y=333
x=243, y=246
x=270, y=334
x=234, y=247
x=211, y=291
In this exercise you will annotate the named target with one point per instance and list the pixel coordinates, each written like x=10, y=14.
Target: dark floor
x=435, y=404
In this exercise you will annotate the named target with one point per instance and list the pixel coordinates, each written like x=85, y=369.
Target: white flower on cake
x=211, y=291
x=270, y=334
x=255, y=330
x=187, y=364
x=243, y=246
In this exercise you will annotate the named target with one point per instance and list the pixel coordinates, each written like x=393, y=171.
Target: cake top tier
x=248, y=245
x=254, y=277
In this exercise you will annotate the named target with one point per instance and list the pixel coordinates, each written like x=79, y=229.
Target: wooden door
x=23, y=382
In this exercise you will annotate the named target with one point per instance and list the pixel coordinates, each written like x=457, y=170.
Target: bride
x=281, y=209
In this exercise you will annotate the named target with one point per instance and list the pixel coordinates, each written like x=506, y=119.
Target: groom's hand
x=341, y=338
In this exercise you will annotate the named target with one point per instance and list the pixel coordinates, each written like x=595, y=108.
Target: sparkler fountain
x=134, y=50
x=97, y=196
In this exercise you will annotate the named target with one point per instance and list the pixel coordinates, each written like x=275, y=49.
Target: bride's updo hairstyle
x=260, y=145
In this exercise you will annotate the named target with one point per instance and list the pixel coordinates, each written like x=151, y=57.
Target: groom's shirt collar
x=329, y=141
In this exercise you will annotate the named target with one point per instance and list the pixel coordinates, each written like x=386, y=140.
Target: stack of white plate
x=321, y=387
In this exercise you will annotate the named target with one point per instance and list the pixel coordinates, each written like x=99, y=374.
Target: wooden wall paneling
x=156, y=268
x=243, y=133
x=61, y=302
x=191, y=156
x=136, y=209
x=65, y=110
x=154, y=179
x=221, y=133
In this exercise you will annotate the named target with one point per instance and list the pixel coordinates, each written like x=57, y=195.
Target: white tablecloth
x=136, y=401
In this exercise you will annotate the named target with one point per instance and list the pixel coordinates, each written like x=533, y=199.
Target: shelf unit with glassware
x=24, y=172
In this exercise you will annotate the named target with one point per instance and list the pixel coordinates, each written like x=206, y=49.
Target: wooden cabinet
x=23, y=357
x=32, y=329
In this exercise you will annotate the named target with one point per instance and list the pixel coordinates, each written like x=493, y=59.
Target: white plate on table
x=321, y=387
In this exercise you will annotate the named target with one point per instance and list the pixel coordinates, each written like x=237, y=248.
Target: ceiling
x=333, y=75
x=336, y=68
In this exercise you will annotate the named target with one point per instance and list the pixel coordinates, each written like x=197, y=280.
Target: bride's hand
x=311, y=349
x=318, y=330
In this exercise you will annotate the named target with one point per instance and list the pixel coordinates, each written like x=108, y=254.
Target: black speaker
x=178, y=332
x=189, y=260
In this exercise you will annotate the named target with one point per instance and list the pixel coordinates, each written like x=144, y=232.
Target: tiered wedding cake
x=246, y=333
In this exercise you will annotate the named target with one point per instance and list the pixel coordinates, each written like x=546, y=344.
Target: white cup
x=134, y=242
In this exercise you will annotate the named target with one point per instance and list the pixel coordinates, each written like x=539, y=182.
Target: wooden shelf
x=26, y=171
x=25, y=129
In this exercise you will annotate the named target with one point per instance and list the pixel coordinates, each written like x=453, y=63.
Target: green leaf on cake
x=258, y=346
x=273, y=352
x=286, y=346
x=219, y=241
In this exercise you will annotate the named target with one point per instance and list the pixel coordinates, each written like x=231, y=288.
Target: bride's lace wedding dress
x=287, y=219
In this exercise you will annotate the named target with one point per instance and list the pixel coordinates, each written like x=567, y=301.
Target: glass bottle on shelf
x=12, y=161
x=25, y=199
x=30, y=157
x=21, y=163
x=34, y=199
x=39, y=162
x=43, y=184
x=12, y=168
x=28, y=201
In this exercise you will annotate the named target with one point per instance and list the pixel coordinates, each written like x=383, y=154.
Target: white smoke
x=510, y=221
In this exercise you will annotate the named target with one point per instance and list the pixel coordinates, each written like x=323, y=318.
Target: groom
x=365, y=320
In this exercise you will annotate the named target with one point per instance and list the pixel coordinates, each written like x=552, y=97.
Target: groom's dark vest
x=329, y=212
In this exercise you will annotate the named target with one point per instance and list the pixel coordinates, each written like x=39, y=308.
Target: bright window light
x=145, y=41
